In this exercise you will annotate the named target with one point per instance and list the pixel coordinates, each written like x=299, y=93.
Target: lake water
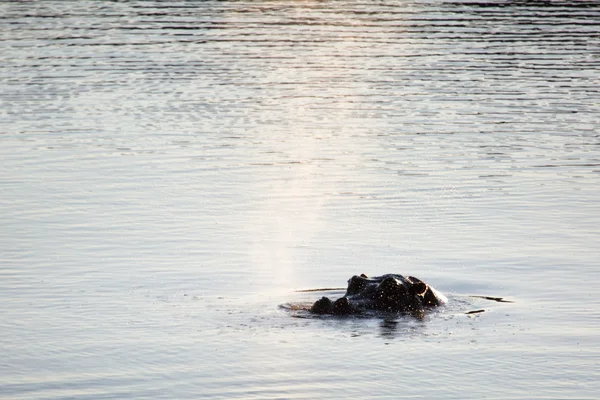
x=173, y=172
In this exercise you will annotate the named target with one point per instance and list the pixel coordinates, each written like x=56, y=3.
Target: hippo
x=386, y=293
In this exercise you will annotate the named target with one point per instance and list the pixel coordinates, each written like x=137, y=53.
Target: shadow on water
x=385, y=325
x=392, y=325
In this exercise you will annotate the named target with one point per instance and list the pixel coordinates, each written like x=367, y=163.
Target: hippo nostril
x=342, y=306
x=322, y=306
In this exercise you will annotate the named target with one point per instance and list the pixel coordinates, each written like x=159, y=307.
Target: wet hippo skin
x=388, y=293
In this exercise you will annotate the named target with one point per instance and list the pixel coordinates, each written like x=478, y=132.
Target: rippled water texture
x=172, y=172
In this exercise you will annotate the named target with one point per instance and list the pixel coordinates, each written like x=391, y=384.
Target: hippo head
x=389, y=293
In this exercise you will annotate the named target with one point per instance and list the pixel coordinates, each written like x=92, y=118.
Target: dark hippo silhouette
x=388, y=293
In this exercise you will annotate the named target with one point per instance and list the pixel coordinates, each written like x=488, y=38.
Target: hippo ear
x=363, y=276
x=419, y=288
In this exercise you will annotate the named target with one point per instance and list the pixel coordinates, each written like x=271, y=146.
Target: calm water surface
x=172, y=172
